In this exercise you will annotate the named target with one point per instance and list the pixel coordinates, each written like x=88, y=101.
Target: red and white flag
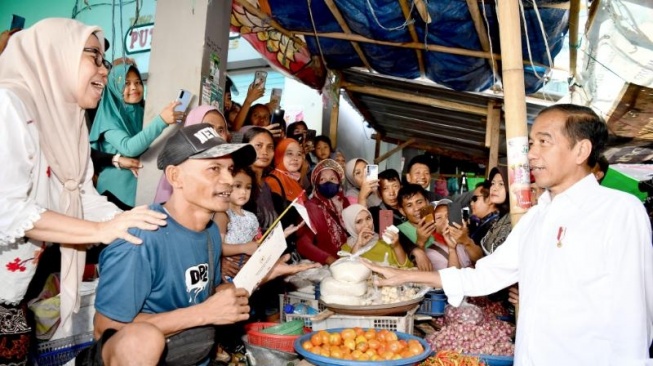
x=298, y=204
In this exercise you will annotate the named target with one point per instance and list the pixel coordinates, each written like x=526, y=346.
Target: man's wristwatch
x=116, y=161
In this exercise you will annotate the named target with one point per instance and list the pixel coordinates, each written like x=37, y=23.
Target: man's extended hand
x=281, y=268
x=391, y=276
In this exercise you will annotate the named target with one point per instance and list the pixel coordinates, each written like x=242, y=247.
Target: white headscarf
x=41, y=66
x=349, y=217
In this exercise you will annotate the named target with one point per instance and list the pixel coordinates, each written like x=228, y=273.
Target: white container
x=295, y=298
x=394, y=323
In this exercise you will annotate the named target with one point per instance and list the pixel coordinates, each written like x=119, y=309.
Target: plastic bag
x=46, y=308
x=464, y=314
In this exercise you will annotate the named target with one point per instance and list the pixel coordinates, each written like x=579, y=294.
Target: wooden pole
x=413, y=35
x=377, y=145
x=493, y=133
x=345, y=28
x=515, y=107
x=419, y=99
x=480, y=30
x=333, y=121
x=574, y=15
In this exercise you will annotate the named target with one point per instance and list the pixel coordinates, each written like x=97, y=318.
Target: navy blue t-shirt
x=167, y=272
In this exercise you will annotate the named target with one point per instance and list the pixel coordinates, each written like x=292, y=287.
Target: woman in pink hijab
x=49, y=74
x=200, y=114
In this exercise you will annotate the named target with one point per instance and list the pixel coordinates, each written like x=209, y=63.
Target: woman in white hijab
x=49, y=74
x=360, y=189
x=362, y=239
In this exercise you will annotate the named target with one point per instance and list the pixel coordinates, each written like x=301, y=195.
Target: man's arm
x=227, y=306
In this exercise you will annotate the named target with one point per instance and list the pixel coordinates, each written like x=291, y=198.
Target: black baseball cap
x=201, y=141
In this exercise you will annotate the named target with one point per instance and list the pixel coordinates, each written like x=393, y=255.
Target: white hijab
x=41, y=66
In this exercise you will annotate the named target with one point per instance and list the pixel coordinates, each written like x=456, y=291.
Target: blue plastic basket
x=328, y=361
x=433, y=304
x=496, y=360
x=60, y=351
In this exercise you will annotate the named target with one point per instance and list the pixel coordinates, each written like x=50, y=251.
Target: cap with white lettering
x=201, y=141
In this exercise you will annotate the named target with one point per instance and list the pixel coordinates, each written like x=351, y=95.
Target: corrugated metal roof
x=454, y=126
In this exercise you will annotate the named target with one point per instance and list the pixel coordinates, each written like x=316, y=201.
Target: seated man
x=166, y=285
x=389, y=185
x=420, y=230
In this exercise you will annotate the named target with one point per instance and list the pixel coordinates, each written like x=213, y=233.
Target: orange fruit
x=307, y=345
x=370, y=334
x=350, y=344
x=348, y=333
x=316, y=339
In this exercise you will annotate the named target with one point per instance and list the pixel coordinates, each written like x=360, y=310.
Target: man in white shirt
x=583, y=256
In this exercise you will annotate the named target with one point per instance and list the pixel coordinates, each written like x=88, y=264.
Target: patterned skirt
x=14, y=335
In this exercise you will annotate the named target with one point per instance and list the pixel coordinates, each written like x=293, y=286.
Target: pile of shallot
x=473, y=330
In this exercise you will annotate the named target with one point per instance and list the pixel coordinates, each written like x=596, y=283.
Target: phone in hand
x=259, y=79
x=386, y=219
x=184, y=97
x=427, y=213
x=455, y=214
x=277, y=117
x=465, y=213
x=275, y=97
x=371, y=172
x=17, y=22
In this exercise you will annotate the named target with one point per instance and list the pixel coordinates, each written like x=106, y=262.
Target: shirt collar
x=576, y=194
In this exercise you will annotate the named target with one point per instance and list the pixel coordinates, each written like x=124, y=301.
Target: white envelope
x=262, y=261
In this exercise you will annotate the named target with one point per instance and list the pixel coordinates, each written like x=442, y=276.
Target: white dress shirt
x=587, y=301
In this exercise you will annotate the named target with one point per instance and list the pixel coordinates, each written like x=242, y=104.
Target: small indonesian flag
x=298, y=204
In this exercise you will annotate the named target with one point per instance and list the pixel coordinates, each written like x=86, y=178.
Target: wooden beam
x=268, y=20
x=413, y=35
x=419, y=99
x=391, y=152
x=333, y=121
x=345, y=28
x=439, y=151
x=493, y=133
x=574, y=15
x=377, y=145
x=414, y=45
x=482, y=33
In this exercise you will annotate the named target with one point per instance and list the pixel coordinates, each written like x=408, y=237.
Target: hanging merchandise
x=464, y=187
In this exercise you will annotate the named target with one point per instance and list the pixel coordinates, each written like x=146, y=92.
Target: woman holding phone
x=118, y=129
x=362, y=188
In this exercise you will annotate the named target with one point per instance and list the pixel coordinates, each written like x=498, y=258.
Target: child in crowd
x=240, y=227
x=118, y=129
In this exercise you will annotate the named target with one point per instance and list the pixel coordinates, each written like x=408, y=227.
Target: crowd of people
x=228, y=177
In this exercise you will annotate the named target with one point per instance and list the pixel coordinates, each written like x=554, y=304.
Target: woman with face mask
x=325, y=210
